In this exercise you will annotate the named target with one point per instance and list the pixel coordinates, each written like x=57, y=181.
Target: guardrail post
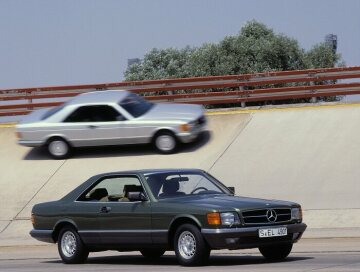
x=243, y=103
x=313, y=99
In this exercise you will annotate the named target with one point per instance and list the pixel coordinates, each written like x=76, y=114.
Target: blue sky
x=79, y=42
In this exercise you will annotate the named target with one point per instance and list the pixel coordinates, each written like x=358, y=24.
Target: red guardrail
x=198, y=83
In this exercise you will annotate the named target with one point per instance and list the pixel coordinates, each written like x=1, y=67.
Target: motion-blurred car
x=111, y=118
x=185, y=210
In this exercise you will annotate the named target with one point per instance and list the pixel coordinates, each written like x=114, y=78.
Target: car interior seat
x=99, y=194
x=170, y=188
x=130, y=188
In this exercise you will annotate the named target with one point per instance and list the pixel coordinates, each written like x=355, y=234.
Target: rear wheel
x=165, y=142
x=58, y=148
x=152, y=253
x=190, y=247
x=276, y=252
x=70, y=247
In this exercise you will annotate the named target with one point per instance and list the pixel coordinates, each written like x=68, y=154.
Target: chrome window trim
x=109, y=176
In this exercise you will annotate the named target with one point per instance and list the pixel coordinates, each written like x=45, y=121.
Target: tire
x=276, y=252
x=165, y=142
x=71, y=248
x=152, y=253
x=58, y=148
x=190, y=247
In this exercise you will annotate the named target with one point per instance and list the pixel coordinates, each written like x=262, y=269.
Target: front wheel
x=276, y=252
x=71, y=248
x=58, y=148
x=165, y=142
x=190, y=247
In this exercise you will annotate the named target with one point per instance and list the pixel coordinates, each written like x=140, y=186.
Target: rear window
x=52, y=111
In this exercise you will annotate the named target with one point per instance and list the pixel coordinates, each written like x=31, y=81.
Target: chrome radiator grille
x=266, y=216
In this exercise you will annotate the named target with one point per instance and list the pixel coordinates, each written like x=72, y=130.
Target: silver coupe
x=111, y=118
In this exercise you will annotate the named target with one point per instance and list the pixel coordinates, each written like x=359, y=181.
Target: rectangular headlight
x=229, y=219
x=296, y=213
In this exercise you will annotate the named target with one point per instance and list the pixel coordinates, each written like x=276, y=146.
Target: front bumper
x=42, y=235
x=30, y=143
x=192, y=135
x=247, y=237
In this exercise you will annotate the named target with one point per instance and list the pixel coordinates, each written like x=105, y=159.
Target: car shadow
x=40, y=153
x=170, y=260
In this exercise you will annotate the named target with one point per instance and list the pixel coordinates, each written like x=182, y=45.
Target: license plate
x=273, y=232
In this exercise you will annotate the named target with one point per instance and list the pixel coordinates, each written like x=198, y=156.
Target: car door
x=123, y=222
x=85, y=214
x=95, y=125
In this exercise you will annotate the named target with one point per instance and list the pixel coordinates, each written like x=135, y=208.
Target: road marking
x=6, y=125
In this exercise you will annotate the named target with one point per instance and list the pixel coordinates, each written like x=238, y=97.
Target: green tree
x=161, y=63
x=256, y=48
x=321, y=55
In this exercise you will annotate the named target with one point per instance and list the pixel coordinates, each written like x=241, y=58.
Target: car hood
x=225, y=202
x=186, y=112
x=33, y=117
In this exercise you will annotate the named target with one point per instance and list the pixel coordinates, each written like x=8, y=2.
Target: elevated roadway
x=310, y=155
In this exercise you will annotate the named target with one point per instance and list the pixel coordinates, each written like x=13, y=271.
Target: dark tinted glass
x=94, y=114
x=135, y=105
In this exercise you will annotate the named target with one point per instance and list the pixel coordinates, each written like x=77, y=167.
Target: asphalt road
x=308, y=255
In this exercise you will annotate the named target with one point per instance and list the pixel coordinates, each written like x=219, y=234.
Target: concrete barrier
x=308, y=155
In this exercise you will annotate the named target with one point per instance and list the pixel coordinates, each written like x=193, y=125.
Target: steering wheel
x=198, y=188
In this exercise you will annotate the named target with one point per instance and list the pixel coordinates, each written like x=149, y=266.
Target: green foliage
x=321, y=55
x=161, y=63
x=256, y=48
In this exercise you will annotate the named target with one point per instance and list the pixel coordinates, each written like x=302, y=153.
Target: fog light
x=230, y=241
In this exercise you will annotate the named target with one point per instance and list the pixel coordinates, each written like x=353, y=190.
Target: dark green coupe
x=185, y=210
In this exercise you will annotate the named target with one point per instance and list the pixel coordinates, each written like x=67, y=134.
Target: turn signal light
x=214, y=218
x=33, y=219
x=18, y=135
x=184, y=127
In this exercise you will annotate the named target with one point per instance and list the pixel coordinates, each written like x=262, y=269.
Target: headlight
x=229, y=219
x=296, y=213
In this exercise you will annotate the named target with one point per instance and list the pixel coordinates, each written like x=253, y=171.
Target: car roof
x=99, y=97
x=153, y=171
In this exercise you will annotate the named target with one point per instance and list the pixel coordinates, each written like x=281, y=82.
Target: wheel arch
x=163, y=130
x=177, y=222
x=57, y=136
x=60, y=225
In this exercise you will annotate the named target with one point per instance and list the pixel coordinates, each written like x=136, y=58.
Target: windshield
x=175, y=184
x=135, y=105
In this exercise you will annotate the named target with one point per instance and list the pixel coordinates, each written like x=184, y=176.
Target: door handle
x=105, y=209
x=92, y=126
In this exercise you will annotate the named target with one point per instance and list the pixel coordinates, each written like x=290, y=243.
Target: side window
x=113, y=189
x=98, y=113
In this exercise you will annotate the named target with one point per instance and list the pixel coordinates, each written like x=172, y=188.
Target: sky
x=65, y=42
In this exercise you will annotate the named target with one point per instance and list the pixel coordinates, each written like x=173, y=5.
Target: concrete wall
x=308, y=155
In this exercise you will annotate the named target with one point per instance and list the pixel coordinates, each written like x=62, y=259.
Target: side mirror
x=136, y=196
x=232, y=190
